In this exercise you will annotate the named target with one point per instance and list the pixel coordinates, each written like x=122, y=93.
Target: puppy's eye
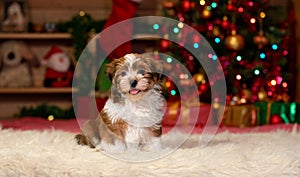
x=141, y=71
x=123, y=73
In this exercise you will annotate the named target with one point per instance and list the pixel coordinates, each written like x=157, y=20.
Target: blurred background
x=256, y=42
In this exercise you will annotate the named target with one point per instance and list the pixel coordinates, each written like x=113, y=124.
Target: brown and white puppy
x=132, y=116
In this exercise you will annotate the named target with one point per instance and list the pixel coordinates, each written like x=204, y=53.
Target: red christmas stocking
x=121, y=10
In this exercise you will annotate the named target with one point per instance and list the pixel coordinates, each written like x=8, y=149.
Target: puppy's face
x=132, y=76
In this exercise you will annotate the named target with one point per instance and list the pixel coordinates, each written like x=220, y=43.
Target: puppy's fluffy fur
x=131, y=117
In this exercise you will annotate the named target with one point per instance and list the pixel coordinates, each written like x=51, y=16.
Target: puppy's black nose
x=133, y=83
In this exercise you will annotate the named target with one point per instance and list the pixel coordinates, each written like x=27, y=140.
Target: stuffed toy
x=16, y=63
x=58, y=72
x=15, y=20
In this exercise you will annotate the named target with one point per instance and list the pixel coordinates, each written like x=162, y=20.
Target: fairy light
x=196, y=45
x=173, y=92
x=273, y=82
x=270, y=93
x=176, y=30
x=169, y=60
x=262, y=15
x=180, y=25
x=256, y=72
x=217, y=40
x=284, y=84
x=181, y=76
x=81, y=13
x=278, y=80
x=262, y=55
x=214, y=57
x=252, y=20
x=50, y=118
x=156, y=26
x=214, y=4
x=240, y=9
x=202, y=2
x=238, y=77
x=243, y=100
x=274, y=46
x=250, y=3
x=168, y=84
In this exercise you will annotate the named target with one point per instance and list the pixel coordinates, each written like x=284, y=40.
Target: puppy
x=132, y=115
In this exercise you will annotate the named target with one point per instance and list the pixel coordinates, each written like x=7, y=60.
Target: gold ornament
x=198, y=77
x=262, y=95
x=206, y=14
x=216, y=31
x=235, y=41
x=260, y=40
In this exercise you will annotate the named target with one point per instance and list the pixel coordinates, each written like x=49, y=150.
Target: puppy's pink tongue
x=134, y=91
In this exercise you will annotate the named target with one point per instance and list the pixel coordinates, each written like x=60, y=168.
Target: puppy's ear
x=110, y=71
x=113, y=66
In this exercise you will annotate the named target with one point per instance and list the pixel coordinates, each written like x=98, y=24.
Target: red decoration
x=225, y=23
x=186, y=5
x=58, y=73
x=276, y=119
x=231, y=7
x=164, y=44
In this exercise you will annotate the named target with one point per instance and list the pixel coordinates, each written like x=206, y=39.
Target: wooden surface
x=21, y=36
x=36, y=90
x=57, y=10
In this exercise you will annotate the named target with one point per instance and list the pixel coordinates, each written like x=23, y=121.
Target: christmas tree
x=252, y=40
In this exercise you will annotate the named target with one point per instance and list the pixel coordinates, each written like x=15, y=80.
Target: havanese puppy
x=132, y=115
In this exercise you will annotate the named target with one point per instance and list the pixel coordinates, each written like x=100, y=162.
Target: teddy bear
x=16, y=63
x=59, y=71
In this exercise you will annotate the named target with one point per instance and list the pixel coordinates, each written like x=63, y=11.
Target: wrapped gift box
x=289, y=112
x=189, y=115
x=241, y=115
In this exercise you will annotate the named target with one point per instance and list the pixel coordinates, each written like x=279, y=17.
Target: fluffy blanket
x=55, y=153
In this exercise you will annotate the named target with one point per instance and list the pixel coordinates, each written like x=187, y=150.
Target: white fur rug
x=55, y=153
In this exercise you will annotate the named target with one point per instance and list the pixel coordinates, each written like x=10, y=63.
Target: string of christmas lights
x=250, y=39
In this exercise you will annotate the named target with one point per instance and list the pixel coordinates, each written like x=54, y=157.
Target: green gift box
x=289, y=112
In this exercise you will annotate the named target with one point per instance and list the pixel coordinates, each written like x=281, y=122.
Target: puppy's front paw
x=82, y=140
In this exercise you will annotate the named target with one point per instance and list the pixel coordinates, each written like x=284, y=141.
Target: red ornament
x=276, y=119
x=225, y=23
x=196, y=38
x=164, y=44
x=231, y=7
x=186, y=5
